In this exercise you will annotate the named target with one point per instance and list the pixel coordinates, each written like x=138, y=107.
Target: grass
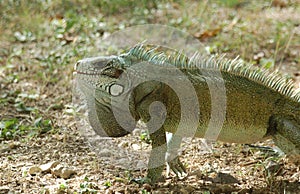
x=42, y=39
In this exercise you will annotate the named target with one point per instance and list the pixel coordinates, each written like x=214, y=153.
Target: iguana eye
x=112, y=72
x=115, y=89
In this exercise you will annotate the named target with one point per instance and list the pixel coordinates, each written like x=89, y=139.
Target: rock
x=62, y=172
x=14, y=145
x=33, y=170
x=123, y=144
x=47, y=167
x=224, y=178
x=135, y=147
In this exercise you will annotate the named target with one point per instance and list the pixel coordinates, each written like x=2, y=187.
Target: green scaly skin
x=257, y=108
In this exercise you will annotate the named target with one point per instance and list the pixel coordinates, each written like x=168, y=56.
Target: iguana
x=259, y=104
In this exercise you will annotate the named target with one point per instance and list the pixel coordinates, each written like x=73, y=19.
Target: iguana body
x=259, y=104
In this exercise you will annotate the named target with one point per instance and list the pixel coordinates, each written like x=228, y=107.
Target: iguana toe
x=141, y=181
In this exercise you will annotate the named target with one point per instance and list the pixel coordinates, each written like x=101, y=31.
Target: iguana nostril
x=76, y=65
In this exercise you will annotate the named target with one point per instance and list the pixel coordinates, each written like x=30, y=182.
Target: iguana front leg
x=157, y=156
x=160, y=153
x=172, y=158
x=156, y=161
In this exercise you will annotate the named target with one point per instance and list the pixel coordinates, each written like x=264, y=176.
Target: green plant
x=144, y=136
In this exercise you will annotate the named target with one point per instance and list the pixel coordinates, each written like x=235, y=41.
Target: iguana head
x=98, y=79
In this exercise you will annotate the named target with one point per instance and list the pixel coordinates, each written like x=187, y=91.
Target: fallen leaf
x=208, y=33
x=280, y=3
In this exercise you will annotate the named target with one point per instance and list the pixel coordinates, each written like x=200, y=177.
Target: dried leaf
x=208, y=33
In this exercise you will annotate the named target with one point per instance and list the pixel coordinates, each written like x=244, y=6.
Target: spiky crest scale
x=161, y=55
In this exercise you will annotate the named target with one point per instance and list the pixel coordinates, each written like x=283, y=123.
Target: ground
x=42, y=40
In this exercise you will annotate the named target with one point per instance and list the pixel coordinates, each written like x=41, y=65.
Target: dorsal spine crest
x=272, y=80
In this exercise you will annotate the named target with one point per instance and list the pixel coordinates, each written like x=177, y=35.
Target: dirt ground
x=231, y=168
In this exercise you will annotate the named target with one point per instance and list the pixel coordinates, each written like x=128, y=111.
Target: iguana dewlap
x=259, y=104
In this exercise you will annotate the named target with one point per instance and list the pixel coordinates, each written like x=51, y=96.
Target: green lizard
x=259, y=104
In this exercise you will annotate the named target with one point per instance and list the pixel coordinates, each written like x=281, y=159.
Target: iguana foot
x=141, y=181
x=267, y=150
x=147, y=180
x=177, y=167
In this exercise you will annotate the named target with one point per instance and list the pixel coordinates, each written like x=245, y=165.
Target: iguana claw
x=177, y=167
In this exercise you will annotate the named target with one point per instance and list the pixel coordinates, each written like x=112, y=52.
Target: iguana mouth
x=75, y=72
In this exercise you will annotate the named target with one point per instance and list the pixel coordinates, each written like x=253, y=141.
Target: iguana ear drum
x=115, y=89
